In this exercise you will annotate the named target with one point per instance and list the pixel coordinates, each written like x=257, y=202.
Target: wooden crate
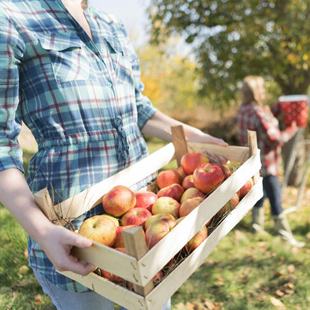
x=140, y=265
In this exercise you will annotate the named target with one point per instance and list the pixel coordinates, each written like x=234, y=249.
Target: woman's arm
x=56, y=241
x=159, y=126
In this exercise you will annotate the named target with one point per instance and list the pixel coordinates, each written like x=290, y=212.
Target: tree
x=233, y=39
x=170, y=80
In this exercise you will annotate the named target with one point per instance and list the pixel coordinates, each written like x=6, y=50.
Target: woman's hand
x=57, y=243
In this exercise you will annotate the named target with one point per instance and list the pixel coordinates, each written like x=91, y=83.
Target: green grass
x=244, y=272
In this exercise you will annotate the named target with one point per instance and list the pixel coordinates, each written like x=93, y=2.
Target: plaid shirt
x=269, y=137
x=80, y=98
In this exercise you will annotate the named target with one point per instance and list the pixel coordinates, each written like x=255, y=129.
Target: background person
x=254, y=115
x=71, y=75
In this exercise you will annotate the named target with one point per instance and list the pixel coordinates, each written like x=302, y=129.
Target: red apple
x=156, y=280
x=135, y=216
x=112, y=277
x=191, y=193
x=158, y=277
x=181, y=172
x=158, y=230
x=99, y=228
x=168, y=177
x=155, y=217
x=196, y=240
x=188, y=182
x=145, y=199
x=229, y=205
x=207, y=177
x=166, y=205
x=189, y=205
x=118, y=200
x=245, y=188
x=226, y=171
x=190, y=161
x=174, y=191
x=119, y=242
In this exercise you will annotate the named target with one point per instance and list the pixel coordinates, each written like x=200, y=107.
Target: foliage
x=170, y=80
x=233, y=39
x=243, y=272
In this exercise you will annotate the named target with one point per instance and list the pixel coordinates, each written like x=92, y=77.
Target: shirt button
x=109, y=85
x=102, y=50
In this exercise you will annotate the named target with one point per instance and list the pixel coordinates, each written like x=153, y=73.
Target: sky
x=131, y=12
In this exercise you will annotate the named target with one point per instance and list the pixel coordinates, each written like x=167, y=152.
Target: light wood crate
x=140, y=265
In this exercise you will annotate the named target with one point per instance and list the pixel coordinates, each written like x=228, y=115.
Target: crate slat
x=162, y=252
x=84, y=201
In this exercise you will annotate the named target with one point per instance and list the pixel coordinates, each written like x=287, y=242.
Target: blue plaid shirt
x=80, y=98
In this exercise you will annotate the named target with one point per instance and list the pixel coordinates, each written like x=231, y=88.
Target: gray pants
x=64, y=300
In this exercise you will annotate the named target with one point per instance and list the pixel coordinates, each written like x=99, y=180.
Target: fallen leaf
x=38, y=299
x=23, y=270
x=277, y=303
x=219, y=283
x=26, y=253
x=209, y=305
x=190, y=306
x=291, y=268
x=289, y=285
x=279, y=293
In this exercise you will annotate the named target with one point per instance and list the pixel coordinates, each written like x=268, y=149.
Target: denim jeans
x=64, y=300
x=272, y=191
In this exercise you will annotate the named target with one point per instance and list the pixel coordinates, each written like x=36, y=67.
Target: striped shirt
x=269, y=137
x=81, y=99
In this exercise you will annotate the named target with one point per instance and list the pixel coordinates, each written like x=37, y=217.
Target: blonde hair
x=251, y=88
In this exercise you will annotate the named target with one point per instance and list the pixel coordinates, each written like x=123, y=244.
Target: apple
x=229, y=205
x=168, y=177
x=135, y=216
x=193, y=244
x=166, y=205
x=118, y=200
x=113, y=277
x=181, y=172
x=156, y=280
x=145, y=199
x=226, y=171
x=245, y=188
x=119, y=242
x=158, y=277
x=158, y=230
x=113, y=218
x=189, y=205
x=190, y=161
x=155, y=217
x=99, y=228
x=188, y=182
x=207, y=177
x=174, y=191
x=191, y=193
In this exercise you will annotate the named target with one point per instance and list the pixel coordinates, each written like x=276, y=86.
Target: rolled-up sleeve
x=10, y=121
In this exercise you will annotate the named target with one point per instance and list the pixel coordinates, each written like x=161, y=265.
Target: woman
x=253, y=115
x=70, y=74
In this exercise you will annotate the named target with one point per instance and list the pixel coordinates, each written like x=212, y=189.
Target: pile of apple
x=180, y=191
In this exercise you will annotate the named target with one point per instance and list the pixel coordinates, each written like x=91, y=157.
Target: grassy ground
x=245, y=271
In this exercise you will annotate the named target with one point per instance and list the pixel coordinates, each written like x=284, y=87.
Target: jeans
x=65, y=300
x=272, y=191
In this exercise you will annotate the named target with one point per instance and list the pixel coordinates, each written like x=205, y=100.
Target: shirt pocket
x=120, y=61
x=68, y=57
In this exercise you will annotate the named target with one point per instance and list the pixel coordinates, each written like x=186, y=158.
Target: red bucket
x=295, y=108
